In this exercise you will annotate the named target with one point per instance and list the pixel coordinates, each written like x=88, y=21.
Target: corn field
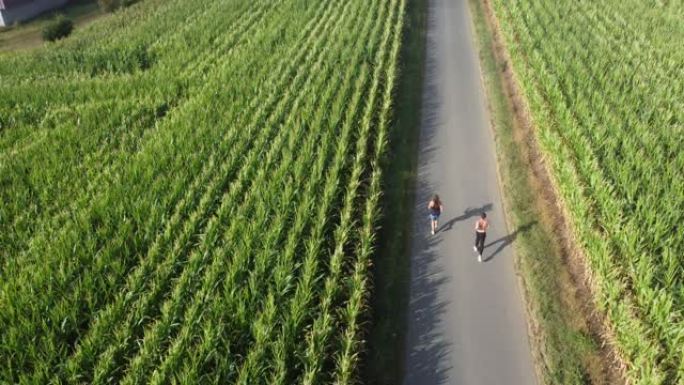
x=190, y=193
x=604, y=81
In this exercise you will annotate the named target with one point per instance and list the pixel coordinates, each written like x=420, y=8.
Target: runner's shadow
x=508, y=239
x=468, y=213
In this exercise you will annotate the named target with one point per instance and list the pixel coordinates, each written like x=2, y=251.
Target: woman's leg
x=480, y=242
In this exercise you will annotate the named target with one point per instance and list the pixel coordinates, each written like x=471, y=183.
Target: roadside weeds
x=383, y=362
x=569, y=338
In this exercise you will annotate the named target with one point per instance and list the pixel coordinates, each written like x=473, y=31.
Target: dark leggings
x=479, y=241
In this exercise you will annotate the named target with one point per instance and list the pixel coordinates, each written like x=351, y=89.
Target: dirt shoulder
x=570, y=338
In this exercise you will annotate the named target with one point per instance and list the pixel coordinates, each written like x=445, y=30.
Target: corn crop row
x=602, y=81
x=190, y=193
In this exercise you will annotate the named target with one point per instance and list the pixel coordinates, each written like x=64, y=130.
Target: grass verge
x=566, y=350
x=391, y=264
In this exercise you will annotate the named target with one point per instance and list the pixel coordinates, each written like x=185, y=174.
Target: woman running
x=435, y=207
x=480, y=234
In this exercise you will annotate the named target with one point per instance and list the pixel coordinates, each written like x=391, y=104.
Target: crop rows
x=190, y=193
x=85, y=145
x=604, y=84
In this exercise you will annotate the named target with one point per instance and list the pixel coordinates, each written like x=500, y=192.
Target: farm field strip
x=152, y=137
x=94, y=178
x=359, y=281
x=327, y=322
x=576, y=141
x=78, y=296
x=178, y=247
x=296, y=307
x=144, y=25
x=307, y=379
x=258, y=143
x=613, y=172
x=237, y=149
x=109, y=149
x=273, y=231
x=148, y=81
x=596, y=172
x=611, y=167
x=235, y=229
x=205, y=281
x=122, y=141
x=608, y=118
x=264, y=320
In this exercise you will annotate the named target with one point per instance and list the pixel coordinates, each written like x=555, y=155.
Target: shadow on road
x=429, y=350
x=468, y=213
x=503, y=242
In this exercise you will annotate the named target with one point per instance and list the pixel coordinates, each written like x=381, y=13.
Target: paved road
x=466, y=319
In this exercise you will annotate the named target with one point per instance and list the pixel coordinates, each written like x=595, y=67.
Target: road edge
x=575, y=298
x=480, y=43
x=383, y=360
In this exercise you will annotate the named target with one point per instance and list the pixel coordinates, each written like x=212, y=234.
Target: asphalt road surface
x=466, y=320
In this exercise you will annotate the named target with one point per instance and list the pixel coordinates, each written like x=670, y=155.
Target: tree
x=59, y=28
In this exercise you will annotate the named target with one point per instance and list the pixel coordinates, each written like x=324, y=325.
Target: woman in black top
x=481, y=227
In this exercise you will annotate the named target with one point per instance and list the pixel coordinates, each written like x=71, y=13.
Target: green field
x=604, y=81
x=190, y=193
